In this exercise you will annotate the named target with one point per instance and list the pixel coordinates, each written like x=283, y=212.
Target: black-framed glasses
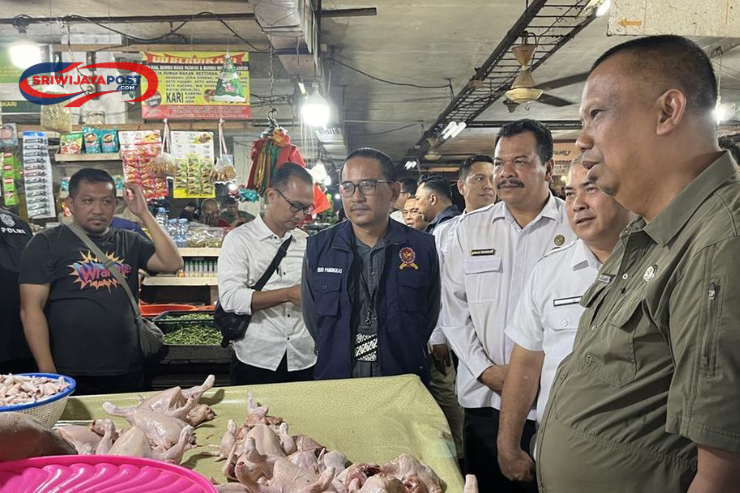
x=295, y=207
x=366, y=187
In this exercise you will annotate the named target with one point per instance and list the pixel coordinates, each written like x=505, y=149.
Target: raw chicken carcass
x=288, y=478
x=163, y=431
x=227, y=441
x=134, y=443
x=84, y=439
x=381, y=483
x=409, y=470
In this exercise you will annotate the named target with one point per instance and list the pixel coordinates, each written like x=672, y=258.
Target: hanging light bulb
x=316, y=110
x=24, y=52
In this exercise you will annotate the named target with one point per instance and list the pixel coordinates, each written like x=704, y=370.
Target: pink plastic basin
x=99, y=474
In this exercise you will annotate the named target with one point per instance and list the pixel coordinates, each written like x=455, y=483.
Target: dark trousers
x=243, y=374
x=481, y=457
x=110, y=384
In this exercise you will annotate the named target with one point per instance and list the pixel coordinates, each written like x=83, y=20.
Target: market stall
x=370, y=420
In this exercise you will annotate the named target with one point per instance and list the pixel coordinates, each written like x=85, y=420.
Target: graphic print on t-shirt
x=93, y=273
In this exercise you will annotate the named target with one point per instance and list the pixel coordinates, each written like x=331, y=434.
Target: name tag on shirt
x=329, y=270
x=573, y=300
x=483, y=252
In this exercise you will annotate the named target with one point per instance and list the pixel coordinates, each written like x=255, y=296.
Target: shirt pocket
x=482, y=278
x=326, y=294
x=612, y=358
x=412, y=291
x=562, y=321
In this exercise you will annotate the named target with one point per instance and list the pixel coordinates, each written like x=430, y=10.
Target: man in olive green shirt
x=649, y=400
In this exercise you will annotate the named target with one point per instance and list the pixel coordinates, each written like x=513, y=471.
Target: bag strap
x=109, y=264
x=279, y=256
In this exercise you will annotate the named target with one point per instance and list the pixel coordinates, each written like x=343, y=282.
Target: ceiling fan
x=524, y=89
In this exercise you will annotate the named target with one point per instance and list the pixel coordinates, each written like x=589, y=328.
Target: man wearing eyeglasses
x=371, y=287
x=276, y=347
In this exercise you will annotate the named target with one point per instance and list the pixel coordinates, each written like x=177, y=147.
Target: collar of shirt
x=263, y=232
x=583, y=257
x=448, y=213
x=552, y=210
x=674, y=217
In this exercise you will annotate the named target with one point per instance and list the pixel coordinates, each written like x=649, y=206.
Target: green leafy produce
x=194, y=335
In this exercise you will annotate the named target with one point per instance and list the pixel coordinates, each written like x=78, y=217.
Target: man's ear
x=672, y=108
x=70, y=203
x=549, y=165
x=395, y=191
x=461, y=187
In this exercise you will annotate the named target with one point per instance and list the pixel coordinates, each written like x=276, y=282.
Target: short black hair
x=437, y=183
x=191, y=204
x=230, y=201
x=408, y=185
x=465, y=166
x=285, y=171
x=386, y=163
x=541, y=133
x=90, y=175
x=672, y=60
x=727, y=143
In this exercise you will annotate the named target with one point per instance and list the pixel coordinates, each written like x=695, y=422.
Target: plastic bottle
x=162, y=217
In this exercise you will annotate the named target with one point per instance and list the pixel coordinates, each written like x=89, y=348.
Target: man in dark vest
x=370, y=285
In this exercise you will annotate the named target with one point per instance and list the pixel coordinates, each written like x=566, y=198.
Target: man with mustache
x=493, y=251
x=277, y=347
x=76, y=317
x=371, y=288
x=649, y=399
x=543, y=326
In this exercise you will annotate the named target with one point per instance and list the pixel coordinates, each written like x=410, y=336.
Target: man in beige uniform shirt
x=649, y=399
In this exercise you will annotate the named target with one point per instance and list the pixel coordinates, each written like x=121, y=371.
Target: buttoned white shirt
x=489, y=261
x=246, y=253
x=546, y=317
x=443, y=235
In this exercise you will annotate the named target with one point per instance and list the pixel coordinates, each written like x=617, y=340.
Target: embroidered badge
x=407, y=258
x=7, y=220
x=649, y=273
x=559, y=240
x=605, y=278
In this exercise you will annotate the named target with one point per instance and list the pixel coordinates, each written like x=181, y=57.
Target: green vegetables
x=189, y=332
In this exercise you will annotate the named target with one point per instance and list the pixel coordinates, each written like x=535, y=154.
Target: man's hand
x=493, y=377
x=516, y=465
x=441, y=357
x=294, y=294
x=135, y=199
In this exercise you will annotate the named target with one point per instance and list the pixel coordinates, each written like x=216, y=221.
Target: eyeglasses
x=366, y=187
x=296, y=207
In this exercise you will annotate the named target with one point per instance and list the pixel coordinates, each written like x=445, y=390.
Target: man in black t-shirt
x=15, y=357
x=76, y=317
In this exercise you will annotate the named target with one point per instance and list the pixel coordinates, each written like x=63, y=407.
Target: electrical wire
x=406, y=84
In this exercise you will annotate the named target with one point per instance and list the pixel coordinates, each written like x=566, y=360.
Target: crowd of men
x=577, y=345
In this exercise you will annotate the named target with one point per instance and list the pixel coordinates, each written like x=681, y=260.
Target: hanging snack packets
x=193, y=152
x=138, y=150
x=37, y=176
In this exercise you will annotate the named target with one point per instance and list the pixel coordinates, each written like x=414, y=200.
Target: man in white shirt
x=545, y=321
x=475, y=184
x=277, y=347
x=493, y=251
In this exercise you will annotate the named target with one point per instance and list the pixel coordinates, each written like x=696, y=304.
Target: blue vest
x=402, y=301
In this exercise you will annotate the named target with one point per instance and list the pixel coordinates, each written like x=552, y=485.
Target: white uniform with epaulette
x=489, y=260
x=546, y=317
